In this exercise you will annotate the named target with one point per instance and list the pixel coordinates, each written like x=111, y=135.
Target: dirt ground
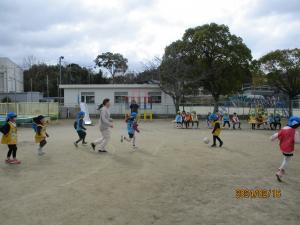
x=172, y=178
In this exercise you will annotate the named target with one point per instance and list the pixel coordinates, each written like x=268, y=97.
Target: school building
x=148, y=96
x=11, y=76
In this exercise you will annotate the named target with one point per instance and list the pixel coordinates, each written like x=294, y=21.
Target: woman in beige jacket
x=105, y=122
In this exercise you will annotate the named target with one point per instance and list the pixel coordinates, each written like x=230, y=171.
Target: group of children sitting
x=263, y=120
x=187, y=120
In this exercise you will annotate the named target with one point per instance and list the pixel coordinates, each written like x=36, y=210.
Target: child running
x=40, y=133
x=79, y=127
x=105, y=123
x=287, y=137
x=9, y=138
x=132, y=127
x=216, y=130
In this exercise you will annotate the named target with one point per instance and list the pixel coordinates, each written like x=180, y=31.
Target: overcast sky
x=138, y=29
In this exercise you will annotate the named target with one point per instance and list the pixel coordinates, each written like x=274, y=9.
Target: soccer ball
x=206, y=140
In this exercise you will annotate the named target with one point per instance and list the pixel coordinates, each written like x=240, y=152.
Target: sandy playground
x=173, y=178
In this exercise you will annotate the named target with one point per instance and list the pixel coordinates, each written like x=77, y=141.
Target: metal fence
x=241, y=109
x=30, y=108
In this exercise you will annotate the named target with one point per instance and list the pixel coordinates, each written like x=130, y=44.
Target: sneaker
x=213, y=145
x=221, y=144
x=8, y=160
x=84, y=143
x=76, y=145
x=41, y=153
x=93, y=146
x=122, y=138
x=279, y=174
x=15, y=161
x=102, y=151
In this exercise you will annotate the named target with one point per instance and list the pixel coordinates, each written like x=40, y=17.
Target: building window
x=121, y=97
x=154, y=97
x=88, y=97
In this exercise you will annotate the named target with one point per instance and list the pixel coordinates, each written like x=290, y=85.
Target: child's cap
x=11, y=115
x=294, y=120
x=81, y=113
x=133, y=114
x=213, y=117
x=40, y=117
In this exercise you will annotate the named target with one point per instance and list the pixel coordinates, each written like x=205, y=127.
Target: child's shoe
x=8, y=160
x=15, y=161
x=41, y=153
x=102, y=151
x=280, y=174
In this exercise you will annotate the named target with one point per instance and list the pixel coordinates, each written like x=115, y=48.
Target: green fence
x=31, y=108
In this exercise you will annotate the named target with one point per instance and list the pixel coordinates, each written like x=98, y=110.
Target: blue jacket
x=178, y=118
x=130, y=127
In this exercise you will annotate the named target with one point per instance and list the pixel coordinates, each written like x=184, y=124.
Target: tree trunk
x=176, y=101
x=216, y=104
x=290, y=106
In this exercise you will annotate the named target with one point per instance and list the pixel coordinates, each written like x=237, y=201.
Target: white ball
x=206, y=140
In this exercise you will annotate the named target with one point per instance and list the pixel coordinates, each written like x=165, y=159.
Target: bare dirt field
x=172, y=178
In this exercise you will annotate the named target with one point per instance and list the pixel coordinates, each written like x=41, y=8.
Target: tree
x=114, y=62
x=175, y=72
x=222, y=59
x=282, y=68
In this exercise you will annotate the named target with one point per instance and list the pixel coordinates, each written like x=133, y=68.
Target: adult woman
x=105, y=122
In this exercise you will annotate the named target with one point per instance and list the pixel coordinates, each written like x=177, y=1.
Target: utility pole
x=59, y=92
x=48, y=93
x=31, y=89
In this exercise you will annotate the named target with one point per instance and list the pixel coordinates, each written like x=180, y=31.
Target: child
x=236, y=120
x=178, y=120
x=187, y=120
x=216, y=131
x=105, y=123
x=78, y=125
x=208, y=121
x=40, y=133
x=277, y=121
x=132, y=126
x=252, y=121
x=271, y=121
x=226, y=120
x=287, y=137
x=195, y=119
x=183, y=115
x=9, y=137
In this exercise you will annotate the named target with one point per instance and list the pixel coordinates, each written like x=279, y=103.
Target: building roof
x=108, y=86
x=4, y=61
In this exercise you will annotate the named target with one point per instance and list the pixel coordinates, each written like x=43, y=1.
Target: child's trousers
x=12, y=150
x=216, y=138
x=103, y=141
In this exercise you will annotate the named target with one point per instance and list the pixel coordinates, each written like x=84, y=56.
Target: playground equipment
x=86, y=119
x=257, y=105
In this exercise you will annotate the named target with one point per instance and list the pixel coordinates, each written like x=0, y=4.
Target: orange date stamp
x=244, y=193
